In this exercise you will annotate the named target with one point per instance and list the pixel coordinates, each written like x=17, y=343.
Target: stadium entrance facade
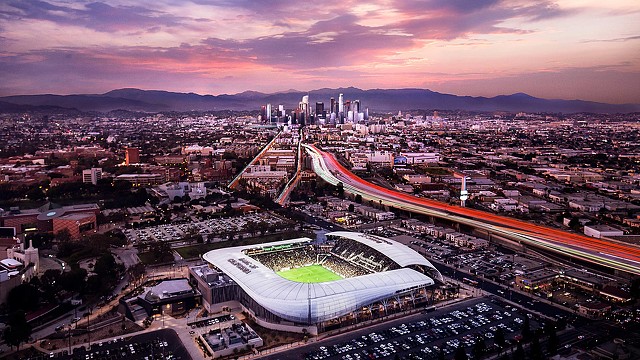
x=295, y=285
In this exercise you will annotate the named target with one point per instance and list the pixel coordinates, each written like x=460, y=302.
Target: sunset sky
x=583, y=49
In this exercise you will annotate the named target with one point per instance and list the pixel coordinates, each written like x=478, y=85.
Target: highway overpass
x=618, y=256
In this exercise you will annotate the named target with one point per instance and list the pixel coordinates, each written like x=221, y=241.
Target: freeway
x=236, y=180
x=618, y=256
x=284, y=196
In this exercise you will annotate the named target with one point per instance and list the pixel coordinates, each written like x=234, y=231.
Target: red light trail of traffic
x=602, y=252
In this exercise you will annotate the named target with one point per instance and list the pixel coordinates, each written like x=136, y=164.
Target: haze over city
x=336, y=180
x=551, y=49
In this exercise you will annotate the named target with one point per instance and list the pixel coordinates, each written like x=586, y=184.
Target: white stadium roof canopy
x=319, y=302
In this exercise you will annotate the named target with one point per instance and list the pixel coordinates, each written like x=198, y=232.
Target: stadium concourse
x=299, y=285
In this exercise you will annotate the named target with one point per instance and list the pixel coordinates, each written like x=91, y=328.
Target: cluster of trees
x=160, y=252
x=53, y=284
x=115, y=194
x=90, y=246
x=50, y=287
x=104, y=275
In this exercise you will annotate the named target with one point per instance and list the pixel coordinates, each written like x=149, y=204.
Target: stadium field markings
x=310, y=274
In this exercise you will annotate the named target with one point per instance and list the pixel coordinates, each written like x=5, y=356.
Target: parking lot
x=208, y=228
x=161, y=344
x=443, y=330
x=211, y=321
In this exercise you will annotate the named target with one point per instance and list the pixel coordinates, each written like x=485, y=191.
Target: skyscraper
x=333, y=106
x=306, y=110
x=341, y=104
x=131, y=156
x=320, y=110
x=268, y=113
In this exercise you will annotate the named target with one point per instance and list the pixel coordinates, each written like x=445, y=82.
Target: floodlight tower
x=464, y=195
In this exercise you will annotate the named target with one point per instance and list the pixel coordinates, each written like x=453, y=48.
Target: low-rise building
x=600, y=231
x=42, y=219
x=142, y=179
x=593, y=309
x=170, y=297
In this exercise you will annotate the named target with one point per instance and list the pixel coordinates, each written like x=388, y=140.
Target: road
x=615, y=255
x=255, y=160
x=284, y=196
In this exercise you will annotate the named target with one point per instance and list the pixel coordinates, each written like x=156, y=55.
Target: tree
x=340, y=190
x=50, y=284
x=499, y=337
x=574, y=223
x=74, y=280
x=136, y=272
x=358, y=199
x=105, y=267
x=351, y=208
x=535, y=350
x=161, y=251
x=251, y=227
x=460, y=354
x=17, y=330
x=23, y=297
x=479, y=348
x=40, y=240
x=441, y=354
x=553, y=342
x=526, y=329
x=63, y=235
x=519, y=353
x=35, y=194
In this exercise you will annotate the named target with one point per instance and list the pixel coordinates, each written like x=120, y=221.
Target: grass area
x=194, y=251
x=148, y=258
x=310, y=274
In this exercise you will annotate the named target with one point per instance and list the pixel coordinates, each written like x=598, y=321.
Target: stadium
x=295, y=284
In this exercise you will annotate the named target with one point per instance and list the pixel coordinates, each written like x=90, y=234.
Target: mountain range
x=376, y=100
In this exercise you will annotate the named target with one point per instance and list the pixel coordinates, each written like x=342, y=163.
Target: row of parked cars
x=426, y=339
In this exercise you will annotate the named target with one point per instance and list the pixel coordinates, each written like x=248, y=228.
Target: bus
x=429, y=309
x=470, y=282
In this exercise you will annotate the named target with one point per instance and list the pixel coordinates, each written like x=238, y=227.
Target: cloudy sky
x=586, y=49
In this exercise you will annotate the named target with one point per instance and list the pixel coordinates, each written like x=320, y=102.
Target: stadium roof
x=398, y=252
x=317, y=302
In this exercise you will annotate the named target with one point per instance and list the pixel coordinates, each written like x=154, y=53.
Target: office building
x=131, y=156
x=268, y=113
x=92, y=175
x=320, y=113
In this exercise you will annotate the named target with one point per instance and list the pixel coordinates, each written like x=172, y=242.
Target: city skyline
x=566, y=49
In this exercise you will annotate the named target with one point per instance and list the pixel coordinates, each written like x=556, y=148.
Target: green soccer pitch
x=309, y=274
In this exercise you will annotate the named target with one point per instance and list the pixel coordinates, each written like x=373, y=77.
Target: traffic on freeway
x=618, y=256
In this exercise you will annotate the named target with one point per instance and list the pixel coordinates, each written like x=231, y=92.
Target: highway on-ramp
x=614, y=255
